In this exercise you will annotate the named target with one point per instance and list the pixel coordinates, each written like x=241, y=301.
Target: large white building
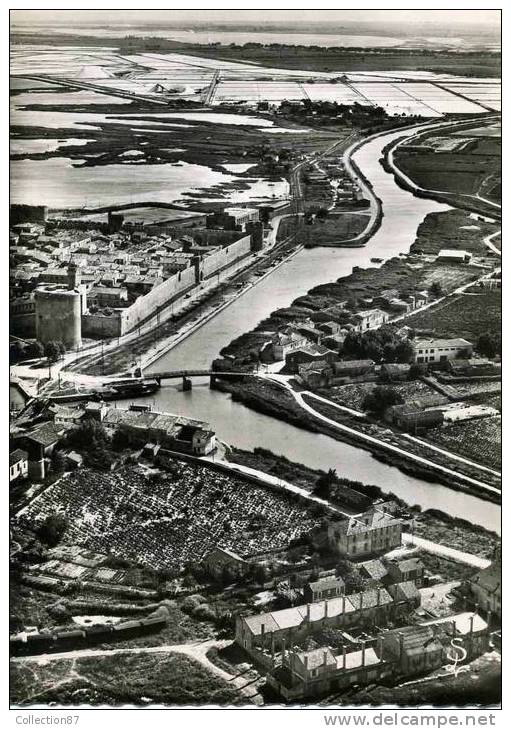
x=440, y=350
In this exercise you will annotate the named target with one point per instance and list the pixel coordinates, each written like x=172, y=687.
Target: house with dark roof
x=486, y=588
x=320, y=671
x=407, y=570
x=18, y=464
x=405, y=594
x=221, y=558
x=40, y=444
x=415, y=649
x=373, y=570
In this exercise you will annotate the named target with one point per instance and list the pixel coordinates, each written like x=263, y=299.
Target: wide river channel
x=243, y=427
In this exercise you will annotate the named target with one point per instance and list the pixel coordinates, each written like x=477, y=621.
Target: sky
x=450, y=18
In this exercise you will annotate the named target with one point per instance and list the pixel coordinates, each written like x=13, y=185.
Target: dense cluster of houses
x=119, y=265
x=403, y=652
x=141, y=426
x=296, y=648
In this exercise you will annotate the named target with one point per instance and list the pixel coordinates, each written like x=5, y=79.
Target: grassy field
x=458, y=534
x=465, y=316
x=452, y=229
x=337, y=227
x=459, y=171
x=120, y=679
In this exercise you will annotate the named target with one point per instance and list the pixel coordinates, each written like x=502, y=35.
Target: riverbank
x=431, y=524
x=272, y=399
x=475, y=174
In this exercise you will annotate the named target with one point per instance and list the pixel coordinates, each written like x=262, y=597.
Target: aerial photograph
x=255, y=359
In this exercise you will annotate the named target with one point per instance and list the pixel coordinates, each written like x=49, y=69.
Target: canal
x=245, y=428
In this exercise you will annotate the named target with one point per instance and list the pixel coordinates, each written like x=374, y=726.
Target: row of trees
x=19, y=350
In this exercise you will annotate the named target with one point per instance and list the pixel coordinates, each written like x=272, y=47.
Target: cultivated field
x=466, y=316
x=479, y=440
x=166, y=520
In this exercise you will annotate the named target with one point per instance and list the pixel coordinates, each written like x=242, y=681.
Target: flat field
x=462, y=170
x=337, y=228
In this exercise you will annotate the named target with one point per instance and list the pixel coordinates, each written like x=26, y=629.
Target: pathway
x=441, y=550
x=487, y=242
x=196, y=651
x=371, y=440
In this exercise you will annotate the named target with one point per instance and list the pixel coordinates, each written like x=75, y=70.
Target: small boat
x=376, y=260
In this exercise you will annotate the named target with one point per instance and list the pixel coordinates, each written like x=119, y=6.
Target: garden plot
x=168, y=520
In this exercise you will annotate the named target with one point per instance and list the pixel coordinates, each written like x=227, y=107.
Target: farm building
x=486, y=588
x=440, y=350
x=451, y=255
x=320, y=671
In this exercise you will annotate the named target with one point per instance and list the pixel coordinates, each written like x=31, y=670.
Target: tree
x=436, y=290
x=89, y=436
x=324, y=483
x=58, y=462
x=62, y=348
x=52, y=351
x=380, y=399
x=36, y=350
x=52, y=529
x=489, y=345
x=417, y=370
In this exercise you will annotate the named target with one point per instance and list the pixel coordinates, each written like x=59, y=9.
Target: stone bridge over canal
x=187, y=375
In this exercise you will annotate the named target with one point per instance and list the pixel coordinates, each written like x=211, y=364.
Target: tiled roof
x=405, y=591
x=17, y=456
x=417, y=638
x=326, y=583
x=407, y=565
x=490, y=578
x=375, y=569
x=45, y=435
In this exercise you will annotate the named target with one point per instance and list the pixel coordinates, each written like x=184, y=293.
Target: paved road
x=278, y=483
